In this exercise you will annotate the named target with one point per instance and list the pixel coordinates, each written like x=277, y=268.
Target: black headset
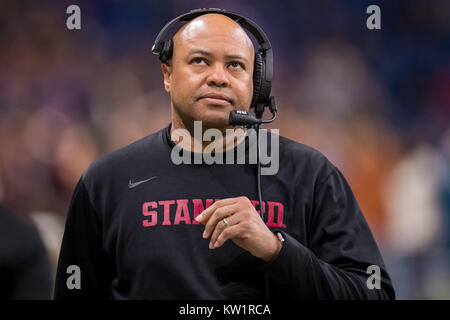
x=263, y=65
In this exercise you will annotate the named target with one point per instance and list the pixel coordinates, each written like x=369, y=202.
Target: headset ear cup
x=166, y=52
x=258, y=70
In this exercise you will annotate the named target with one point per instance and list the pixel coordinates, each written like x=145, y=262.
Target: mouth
x=216, y=99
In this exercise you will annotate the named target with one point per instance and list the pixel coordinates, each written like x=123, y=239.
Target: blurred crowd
x=375, y=102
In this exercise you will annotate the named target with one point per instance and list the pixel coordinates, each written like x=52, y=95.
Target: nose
x=218, y=76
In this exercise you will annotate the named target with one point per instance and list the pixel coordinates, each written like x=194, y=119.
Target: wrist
x=278, y=237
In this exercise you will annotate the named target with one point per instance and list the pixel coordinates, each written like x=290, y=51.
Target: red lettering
x=274, y=212
x=270, y=220
x=256, y=203
x=166, y=205
x=198, y=207
x=152, y=214
x=182, y=208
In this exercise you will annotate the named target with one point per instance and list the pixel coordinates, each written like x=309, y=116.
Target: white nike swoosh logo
x=132, y=185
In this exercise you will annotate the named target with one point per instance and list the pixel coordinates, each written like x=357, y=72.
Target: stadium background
x=376, y=103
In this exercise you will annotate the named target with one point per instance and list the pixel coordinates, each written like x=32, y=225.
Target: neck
x=190, y=137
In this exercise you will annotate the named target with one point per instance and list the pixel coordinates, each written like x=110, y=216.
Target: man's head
x=211, y=71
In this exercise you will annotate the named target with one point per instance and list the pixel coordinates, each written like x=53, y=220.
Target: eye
x=236, y=65
x=197, y=60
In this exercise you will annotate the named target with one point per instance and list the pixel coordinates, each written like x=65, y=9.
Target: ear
x=167, y=72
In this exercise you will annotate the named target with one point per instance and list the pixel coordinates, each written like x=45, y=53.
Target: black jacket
x=136, y=240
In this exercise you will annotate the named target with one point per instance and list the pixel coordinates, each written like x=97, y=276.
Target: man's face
x=211, y=71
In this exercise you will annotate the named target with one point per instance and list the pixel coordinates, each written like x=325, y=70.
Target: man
x=141, y=227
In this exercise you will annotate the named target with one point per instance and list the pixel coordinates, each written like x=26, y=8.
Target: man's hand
x=245, y=227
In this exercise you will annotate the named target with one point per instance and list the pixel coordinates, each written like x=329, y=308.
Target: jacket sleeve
x=340, y=250
x=83, y=271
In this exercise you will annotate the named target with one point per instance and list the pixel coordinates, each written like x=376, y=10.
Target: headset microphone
x=244, y=119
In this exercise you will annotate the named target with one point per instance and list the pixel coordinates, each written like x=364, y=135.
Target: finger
x=218, y=215
x=228, y=233
x=204, y=216
x=220, y=227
